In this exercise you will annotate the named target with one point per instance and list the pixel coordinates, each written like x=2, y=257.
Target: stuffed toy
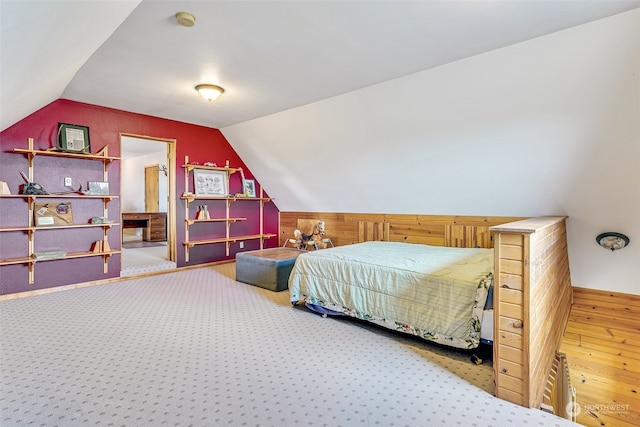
x=313, y=239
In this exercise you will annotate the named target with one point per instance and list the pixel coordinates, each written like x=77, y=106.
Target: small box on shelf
x=203, y=212
x=4, y=188
x=100, y=246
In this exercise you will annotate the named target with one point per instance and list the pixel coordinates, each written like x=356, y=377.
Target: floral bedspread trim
x=472, y=341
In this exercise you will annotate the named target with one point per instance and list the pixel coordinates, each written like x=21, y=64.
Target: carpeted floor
x=196, y=348
x=142, y=244
x=144, y=259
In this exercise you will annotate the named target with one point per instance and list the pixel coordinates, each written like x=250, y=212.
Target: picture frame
x=98, y=188
x=249, y=187
x=211, y=183
x=52, y=213
x=73, y=139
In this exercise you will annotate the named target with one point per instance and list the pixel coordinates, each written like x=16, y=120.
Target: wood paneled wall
x=438, y=230
x=532, y=304
x=602, y=344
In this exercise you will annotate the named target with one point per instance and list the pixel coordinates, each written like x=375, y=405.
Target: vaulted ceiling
x=269, y=56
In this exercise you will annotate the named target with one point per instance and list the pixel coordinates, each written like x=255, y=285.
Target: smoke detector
x=185, y=19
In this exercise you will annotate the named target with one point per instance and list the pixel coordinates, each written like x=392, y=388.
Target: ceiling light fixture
x=185, y=19
x=612, y=241
x=209, y=92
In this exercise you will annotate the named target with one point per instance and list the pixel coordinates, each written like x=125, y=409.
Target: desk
x=153, y=224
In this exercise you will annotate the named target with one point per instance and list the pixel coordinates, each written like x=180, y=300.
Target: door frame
x=171, y=178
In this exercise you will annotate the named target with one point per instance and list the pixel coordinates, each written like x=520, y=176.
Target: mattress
x=486, y=331
x=436, y=293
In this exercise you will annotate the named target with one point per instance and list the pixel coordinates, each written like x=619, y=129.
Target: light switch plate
x=67, y=181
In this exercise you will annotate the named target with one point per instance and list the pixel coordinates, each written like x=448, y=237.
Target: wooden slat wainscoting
x=438, y=230
x=602, y=344
x=532, y=302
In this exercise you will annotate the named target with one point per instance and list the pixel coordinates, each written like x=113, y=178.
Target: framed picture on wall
x=211, y=183
x=250, y=188
x=73, y=139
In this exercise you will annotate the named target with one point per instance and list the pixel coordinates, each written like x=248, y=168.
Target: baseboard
x=604, y=293
x=105, y=281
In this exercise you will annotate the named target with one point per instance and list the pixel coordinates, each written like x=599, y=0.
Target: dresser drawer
x=157, y=236
x=132, y=216
x=156, y=230
x=156, y=221
x=154, y=234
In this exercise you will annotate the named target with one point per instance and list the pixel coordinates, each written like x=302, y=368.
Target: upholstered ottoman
x=268, y=268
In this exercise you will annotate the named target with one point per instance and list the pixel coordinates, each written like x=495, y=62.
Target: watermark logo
x=573, y=409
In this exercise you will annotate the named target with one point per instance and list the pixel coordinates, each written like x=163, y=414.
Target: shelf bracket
x=32, y=272
x=104, y=151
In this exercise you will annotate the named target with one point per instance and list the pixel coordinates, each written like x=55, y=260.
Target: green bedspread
x=437, y=293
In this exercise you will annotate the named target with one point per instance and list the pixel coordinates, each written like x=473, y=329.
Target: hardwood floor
x=602, y=344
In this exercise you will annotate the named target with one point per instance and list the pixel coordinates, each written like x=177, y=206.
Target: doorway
x=147, y=204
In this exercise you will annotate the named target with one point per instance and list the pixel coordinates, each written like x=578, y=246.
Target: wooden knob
x=518, y=324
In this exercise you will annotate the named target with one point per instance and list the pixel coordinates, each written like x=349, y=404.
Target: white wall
x=132, y=189
x=545, y=127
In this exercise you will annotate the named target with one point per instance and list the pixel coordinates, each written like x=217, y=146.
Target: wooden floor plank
x=602, y=344
x=603, y=306
x=586, y=343
x=598, y=327
x=606, y=320
x=602, y=385
x=623, y=317
x=597, y=295
x=581, y=364
x=604, y=334
x=608, y=360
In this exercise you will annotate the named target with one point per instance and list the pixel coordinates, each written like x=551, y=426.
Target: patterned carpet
x=144, y=259
x=196, y=348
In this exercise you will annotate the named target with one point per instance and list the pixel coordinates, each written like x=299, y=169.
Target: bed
x=436, y=293
x=531, y=282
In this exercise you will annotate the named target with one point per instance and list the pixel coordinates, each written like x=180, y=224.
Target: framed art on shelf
x=73, y=139
x=52, y=213
x=98, y=188
x=250, y=188
x=211, y=183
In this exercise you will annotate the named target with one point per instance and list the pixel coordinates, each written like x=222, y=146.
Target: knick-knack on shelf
x=203, y=212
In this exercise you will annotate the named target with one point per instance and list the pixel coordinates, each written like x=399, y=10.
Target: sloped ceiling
x=434, y=107
x=44, y=44
x=270, y=56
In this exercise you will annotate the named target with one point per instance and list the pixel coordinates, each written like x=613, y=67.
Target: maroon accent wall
x=200, y=143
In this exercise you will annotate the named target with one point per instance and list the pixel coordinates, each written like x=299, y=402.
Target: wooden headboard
x=438, y=230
